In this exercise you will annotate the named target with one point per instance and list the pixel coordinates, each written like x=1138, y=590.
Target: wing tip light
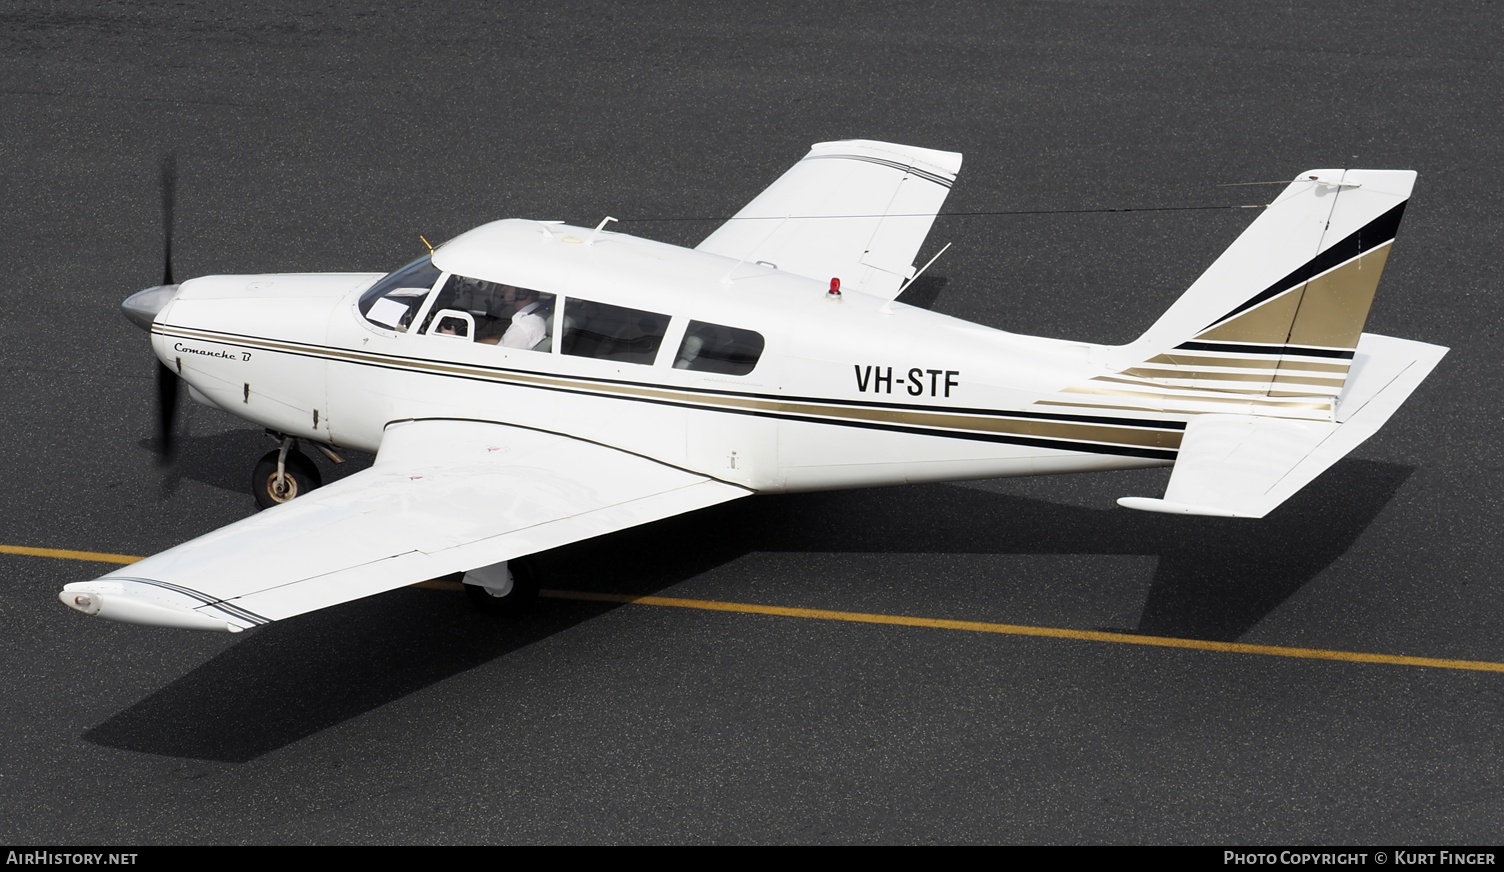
x=125, y=608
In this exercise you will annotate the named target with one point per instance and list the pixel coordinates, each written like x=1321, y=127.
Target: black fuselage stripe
x=398, y=362
x=1375, y=233
x=808, y=418
x=416, y=364
x=974, y=436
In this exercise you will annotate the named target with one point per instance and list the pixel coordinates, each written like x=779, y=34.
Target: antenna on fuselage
x=599, y=227
x=427, y=243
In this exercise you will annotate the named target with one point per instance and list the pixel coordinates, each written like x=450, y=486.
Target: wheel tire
x=301, y=477
x=517, y=601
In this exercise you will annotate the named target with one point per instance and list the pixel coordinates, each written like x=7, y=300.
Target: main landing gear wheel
x=299, y=476
x=504, y=589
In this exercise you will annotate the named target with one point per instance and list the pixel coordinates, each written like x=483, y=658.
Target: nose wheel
x=283, y=474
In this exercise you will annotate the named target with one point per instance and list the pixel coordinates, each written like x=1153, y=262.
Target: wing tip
x=947, y=163
x=114, y=603
x=1166, y=507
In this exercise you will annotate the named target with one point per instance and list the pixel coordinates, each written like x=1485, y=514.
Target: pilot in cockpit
x=528, y=327
x=504, y=315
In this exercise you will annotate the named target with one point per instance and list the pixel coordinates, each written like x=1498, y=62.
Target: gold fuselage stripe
x=1191, y=391
x=1150, y=435
x=1250, y=399
x=1270, y=375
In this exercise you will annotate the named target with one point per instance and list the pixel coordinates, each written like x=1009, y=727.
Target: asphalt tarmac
x=311, y=140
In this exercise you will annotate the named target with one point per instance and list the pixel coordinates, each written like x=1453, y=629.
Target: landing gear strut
x=282, y=474
x=504, y=589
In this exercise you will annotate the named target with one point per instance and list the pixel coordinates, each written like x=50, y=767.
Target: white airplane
x=530, y=384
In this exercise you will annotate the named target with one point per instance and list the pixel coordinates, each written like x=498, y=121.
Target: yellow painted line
x=90, y=556
x=904, y=621
x=1022, y=630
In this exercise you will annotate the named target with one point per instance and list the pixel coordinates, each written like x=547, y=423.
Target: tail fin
x=1277, y=317
x=1267, y=352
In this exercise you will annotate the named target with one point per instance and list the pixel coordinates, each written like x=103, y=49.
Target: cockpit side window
x=394, y=301
x=442, y=301
x=612, y=332
x=501, y=314
x=718, y=349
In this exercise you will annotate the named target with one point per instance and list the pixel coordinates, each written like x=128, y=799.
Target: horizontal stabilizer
x=1243, y=466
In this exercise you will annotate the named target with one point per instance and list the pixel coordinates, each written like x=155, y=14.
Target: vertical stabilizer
x=1275, y=320
x=1266, y=351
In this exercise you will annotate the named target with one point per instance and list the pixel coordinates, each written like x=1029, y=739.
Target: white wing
x=442, y=497
x=855, y=210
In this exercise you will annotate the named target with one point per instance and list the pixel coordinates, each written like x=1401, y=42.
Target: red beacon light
x=835, y=290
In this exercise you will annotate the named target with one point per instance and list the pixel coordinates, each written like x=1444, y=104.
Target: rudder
x=1277, y=317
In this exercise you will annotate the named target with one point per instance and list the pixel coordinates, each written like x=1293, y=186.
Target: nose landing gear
x=282, y=474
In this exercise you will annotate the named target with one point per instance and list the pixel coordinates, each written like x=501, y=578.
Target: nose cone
x=141, y=308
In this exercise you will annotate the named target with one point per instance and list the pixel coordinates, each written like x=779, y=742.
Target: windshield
x=393, y=301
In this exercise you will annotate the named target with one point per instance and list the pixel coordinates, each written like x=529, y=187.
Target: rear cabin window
x=394, y=300
x=612, y=332
x=719, y=349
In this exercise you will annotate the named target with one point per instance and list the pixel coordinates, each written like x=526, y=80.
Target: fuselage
x=731, y=369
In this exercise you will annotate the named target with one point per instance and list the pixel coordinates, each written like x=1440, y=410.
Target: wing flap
x=378, y=576
x=442, y=497
x=856, y=210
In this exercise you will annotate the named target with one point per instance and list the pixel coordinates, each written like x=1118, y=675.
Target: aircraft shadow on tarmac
x=1215, y=579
